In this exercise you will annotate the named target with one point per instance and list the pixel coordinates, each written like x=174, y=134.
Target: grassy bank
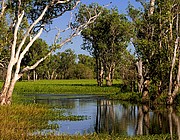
x=20, y=121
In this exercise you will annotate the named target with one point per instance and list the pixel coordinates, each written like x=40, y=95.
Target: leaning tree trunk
x=173, y=92
x=7, y=87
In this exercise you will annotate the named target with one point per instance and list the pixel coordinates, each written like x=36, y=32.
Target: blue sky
x=61, y=23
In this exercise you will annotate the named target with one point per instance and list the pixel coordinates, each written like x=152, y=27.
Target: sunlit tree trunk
x=28, y=76
x=140, y=75
x=52, y=74
x=109, y=71
x=7, y=87
x=173, y=91
x=3, y=7
x=34, y=75
x=108, y=77
x=151, y=7
x=145, y=91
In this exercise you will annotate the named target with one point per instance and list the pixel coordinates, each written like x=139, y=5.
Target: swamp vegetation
x=23, y=117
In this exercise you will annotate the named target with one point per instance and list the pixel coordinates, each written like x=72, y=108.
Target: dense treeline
x=65, y=65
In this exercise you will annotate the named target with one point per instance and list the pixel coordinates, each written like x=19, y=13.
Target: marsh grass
x=19, y=121
x=65, y=87
x=102, y=137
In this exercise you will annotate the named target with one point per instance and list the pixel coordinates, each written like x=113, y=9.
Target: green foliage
x=86, y=60
x=62, y=65
x=37, y=51
x=80, y=71
x=34, y=8
x=127, y=96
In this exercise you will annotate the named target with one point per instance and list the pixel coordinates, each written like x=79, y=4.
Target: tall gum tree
x=107, y=40
x=157, y=44
x=38, y=14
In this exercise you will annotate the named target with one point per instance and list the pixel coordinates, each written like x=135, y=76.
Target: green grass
x=65, y=87
x=19, y=121
x=132, y=97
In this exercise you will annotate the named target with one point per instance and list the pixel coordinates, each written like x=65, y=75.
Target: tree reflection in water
x=115, y=117
x=136, y=120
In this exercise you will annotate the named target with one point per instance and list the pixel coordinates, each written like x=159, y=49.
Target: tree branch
x=3, y=7
x=13, y=47
x=28, y=31
x=76, y=32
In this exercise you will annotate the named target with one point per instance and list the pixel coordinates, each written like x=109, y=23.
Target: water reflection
x=108, y=116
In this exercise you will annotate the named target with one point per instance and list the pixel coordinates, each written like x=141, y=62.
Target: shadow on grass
x=90, y=85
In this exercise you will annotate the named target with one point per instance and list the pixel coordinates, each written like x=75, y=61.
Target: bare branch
x=20, y=17
x=65, y=1
x=26, y=50
x=76, y=32
x=29, y=30
x=37, y=20
x=28, y=68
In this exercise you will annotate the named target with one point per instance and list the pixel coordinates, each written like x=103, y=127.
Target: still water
x=111, y=116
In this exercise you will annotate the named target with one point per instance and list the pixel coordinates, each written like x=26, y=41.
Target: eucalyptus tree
x=67, y=59
x=91, y=41
x=28, y=19
x=106, y=40
x=156, y=43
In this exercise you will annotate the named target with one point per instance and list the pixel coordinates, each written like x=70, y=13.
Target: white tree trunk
x=151, y=7
x=109, y=75
x=140, y=75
